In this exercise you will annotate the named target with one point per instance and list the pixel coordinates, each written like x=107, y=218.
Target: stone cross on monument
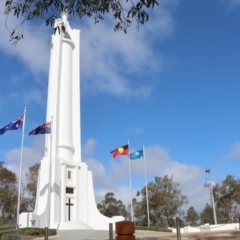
x=69, y=203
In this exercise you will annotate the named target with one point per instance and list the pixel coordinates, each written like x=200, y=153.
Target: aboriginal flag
x=123, y=150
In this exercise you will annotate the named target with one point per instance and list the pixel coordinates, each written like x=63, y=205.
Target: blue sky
x=172, y=86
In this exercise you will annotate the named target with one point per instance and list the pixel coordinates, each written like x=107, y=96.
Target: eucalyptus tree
x=227, y=199
x=165, y=203
x=9, y=196
x=32, y=179
x=192, y=216
x=110, y=206
x=124, y=12
x=206, y=216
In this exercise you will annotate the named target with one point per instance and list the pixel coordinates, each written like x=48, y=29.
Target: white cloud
x=135, y=131
x=122, y=193
x=234, y=3
x=234, y=152
x=33, y=50
x=231, y=5
x=115, y=178
x=30, y=96
x=31, y=156
x=109, y=60
x=159, y=163
x=89, y=147
x=100, y=177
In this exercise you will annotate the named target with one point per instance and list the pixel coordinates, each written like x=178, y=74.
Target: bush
x=153, y=229
x=36, y=231
x=27, y=232
x=7, y=232
x=11, y=237
x=33, y=231
x=7, y=228
x=52, y=231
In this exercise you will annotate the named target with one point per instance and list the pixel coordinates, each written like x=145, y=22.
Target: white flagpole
x=146, y=186
x=50, y=178
x=20, y=168
x=130, y=180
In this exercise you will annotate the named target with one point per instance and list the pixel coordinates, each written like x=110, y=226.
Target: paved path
x=97, y=234
x=146, y=235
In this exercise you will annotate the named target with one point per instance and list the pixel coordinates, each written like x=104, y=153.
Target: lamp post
x=211, y=193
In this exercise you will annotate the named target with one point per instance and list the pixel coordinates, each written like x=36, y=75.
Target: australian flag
x=42, y=129
x=18, y=123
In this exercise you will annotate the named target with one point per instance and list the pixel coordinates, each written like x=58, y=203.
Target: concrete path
x=97, y=235
x=146, y=235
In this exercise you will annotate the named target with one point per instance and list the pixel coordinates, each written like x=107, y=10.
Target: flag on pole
x=16, y=124
x=42, y=129
x=136, y=155
x=123, y=150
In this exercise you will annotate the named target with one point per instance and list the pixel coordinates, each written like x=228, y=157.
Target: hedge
x=11, y=237
x=153, y=229
x=10, y=234
x=11, y=231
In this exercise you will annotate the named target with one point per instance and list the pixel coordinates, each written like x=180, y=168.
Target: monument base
x=72, y=226
x=71, y=204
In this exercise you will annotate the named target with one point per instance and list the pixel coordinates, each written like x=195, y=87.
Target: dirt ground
x=218, y=235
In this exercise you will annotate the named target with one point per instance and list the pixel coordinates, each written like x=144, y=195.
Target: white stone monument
x=72, y=202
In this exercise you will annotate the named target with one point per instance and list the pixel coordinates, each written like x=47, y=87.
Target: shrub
x=36, y=231
x=52, y=231
x=7, y=232
x=11, y=237
x=153, y=229
x=7, y=228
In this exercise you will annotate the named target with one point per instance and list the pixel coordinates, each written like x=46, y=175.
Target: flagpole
x=20, y=169
x=130, y=180
x=146, y=186
x=50, y=178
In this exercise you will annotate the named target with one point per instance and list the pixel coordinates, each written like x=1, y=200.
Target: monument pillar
x=72, y=203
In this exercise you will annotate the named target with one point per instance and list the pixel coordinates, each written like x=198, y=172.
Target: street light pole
x=212, y=198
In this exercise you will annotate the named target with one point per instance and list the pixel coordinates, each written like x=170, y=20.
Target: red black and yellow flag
x=123, y=150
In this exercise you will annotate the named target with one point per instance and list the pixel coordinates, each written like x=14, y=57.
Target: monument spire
x=69, y=198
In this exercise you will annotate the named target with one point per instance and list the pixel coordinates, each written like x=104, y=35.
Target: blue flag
x=42, y=129
x=18, y=123
x=136, y=155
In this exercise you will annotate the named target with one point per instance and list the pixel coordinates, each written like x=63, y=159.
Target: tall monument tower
x=65, y=197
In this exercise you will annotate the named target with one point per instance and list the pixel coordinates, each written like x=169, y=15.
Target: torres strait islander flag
x=123, y=150
x=42, y=129
x=136, y=155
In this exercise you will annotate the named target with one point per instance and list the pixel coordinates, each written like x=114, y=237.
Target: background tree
x=206, y=216
x=227, y=199
x=192, y=217
x=32, y=179
x=9, y=196
x=110, y=206
x=165, y=203
x=122, y=11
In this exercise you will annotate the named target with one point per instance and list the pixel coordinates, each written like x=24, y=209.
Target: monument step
x=72, y=226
